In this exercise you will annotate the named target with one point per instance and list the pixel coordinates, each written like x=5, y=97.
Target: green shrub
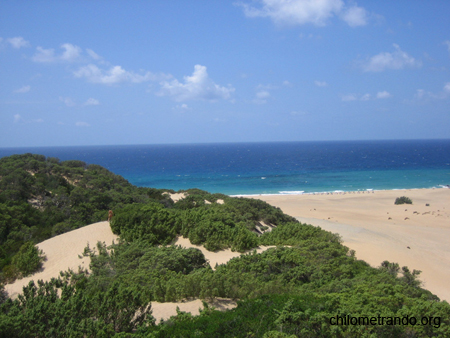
x=29, y=259
x=403, y=200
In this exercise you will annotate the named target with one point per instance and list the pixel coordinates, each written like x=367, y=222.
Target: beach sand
x=417, y=236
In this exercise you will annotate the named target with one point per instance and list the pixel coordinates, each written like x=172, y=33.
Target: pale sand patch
x=166, y=310
x=362, y=219
x=218, y=257
x=62, y=253
x=176, y=196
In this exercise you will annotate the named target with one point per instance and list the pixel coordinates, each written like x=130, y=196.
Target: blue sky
x=145, y=72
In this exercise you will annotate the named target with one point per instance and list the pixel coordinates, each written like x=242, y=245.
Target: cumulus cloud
x=70, y=53
x=92, y=102
x=67, y=101
x=18, y=42
x=443, y=94
x=396, y=60
x=383, y=95
x=349, y=97
x=448, y=45
x=261, y=97
x=82, y=124
x=355, y=16
x=115, y=74
x=182, y=107
x=196, y=87
x=24, y=89
x=365, y=97
x=299, y=12
x=44, y=55
x=320, y=83
x=447, y=87
x=17, y=118
x=93, y=54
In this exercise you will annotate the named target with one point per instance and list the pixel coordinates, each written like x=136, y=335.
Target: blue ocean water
x=270, y=168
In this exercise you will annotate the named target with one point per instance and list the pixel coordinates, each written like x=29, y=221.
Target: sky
x=157, y=72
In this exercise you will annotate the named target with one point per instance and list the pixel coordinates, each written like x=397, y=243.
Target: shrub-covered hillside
x=42, y=197
x=298, y=288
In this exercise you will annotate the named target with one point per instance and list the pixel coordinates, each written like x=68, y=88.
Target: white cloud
x=261, y=97
x=196, y=87
x=71, y=53
x=67, y=101
x=82, y=124
x=355, y=16
x=383, y=95
x=286, y=83
x=298, y=113
x=182, y=107
x=349, y=97
x=447, y=87
x=17, y=118
x=93, y=54
x=299, y=12
x=115, y=74
x=91, y=102
x=444, y=94
x=320, y=83
x=365, y=97
x=396, y=60
x=44, y=55
x=18, y=42
x=447, y=42
x=24, y=89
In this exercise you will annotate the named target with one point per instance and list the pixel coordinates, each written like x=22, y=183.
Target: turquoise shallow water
x=270, y=168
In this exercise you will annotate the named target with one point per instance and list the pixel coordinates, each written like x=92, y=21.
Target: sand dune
x=166, y=310
x=361, y=219
x=416, y=235
x=218, y=257
x=62, y=253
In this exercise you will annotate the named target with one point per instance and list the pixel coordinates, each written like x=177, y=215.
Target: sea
x=270, y=168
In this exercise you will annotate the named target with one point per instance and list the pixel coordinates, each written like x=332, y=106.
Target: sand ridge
x=63, y=252
x=370, y=223
x=217, y=257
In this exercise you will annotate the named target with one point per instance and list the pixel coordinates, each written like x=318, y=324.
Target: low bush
x=403, y=200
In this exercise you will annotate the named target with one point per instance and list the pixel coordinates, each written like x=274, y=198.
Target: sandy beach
x=416, y=235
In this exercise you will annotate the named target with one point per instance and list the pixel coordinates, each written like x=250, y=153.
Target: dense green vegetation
x=290, y=290
x=42, y=197
x=403, y=200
